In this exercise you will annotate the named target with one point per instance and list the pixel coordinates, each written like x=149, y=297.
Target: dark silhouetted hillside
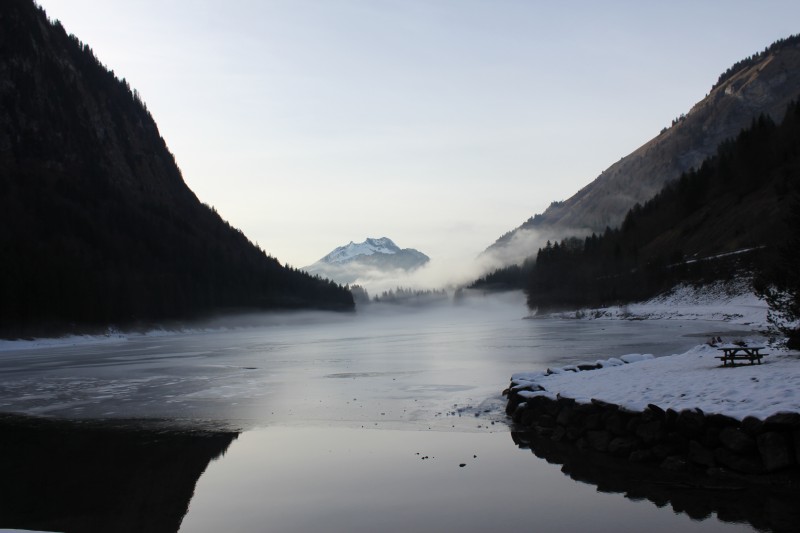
x=86, y=477
x=98, y=226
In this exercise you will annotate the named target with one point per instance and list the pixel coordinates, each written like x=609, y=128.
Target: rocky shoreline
x=764, y=507
x=765, y=450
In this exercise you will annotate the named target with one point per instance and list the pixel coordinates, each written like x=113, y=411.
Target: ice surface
x=390, y=367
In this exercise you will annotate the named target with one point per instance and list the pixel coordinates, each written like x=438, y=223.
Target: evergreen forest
x=736, y=213
x=98, y=225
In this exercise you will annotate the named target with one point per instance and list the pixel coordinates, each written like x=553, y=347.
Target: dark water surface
x=359, y=480
x=313, y=421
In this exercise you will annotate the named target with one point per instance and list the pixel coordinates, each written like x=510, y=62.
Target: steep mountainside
x=735, y=213
x=353, y=261
x=764, y=83
x=97, y=223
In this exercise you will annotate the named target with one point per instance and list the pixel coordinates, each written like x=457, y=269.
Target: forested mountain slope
x=98, y=226
x=763, y=84
x=734, y=212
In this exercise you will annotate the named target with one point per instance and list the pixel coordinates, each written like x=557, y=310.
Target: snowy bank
x=691, y=380
x=60, y=342
x=682, y=410
x=732, y=301
x=112, y=337
x=23, y=531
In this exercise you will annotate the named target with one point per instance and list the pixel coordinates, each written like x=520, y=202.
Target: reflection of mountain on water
x=767, y=506
x=89, y=477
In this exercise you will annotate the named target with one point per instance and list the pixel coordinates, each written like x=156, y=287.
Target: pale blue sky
x=440, y=124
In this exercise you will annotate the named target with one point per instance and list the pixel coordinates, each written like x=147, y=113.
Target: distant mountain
x=97, y=224
x=371, y=258
x=763, y=83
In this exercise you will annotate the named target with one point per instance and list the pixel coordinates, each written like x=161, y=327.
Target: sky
x=441, y=124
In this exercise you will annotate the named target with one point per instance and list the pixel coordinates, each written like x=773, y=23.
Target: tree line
x=737, y=212
x=747, y=62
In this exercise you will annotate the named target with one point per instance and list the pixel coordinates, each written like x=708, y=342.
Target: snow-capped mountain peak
x=345, y=253
x=361, y=260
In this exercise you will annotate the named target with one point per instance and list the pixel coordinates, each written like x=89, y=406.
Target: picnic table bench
x=732, y=353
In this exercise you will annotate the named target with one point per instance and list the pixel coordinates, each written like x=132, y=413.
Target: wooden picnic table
x=732, y=352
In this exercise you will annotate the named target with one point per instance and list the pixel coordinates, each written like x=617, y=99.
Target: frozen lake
x=358, y=422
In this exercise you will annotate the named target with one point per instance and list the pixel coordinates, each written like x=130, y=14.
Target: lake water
x=390, y=419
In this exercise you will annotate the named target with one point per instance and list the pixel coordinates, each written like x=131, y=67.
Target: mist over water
x=385, y=366
x=390, y=418
x=458, y=270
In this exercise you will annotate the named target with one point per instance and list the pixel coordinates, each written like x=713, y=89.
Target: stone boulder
x=775, y=450
x=737, y=440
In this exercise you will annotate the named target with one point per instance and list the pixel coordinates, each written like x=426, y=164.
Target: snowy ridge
x=345, y=253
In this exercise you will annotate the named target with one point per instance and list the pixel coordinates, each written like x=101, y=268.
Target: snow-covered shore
x=732, y=302
x=69, y=340
x=695, y=379
x=112, y=337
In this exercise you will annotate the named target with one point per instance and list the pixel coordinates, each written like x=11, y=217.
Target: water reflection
x=765, y=507
x=88, y=477
x=114, y=476
x=348, y=480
